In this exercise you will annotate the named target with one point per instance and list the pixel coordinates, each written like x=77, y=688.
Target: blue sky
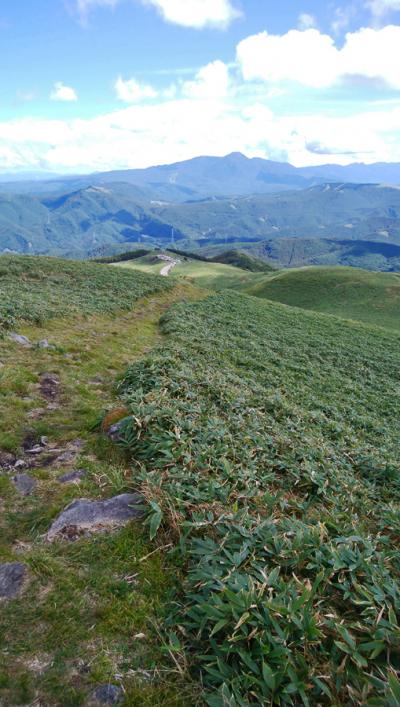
x=102, y=84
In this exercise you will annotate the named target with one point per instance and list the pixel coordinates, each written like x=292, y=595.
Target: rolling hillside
x=36, y=289
x=214, y=276
x=262, y=440
x=346, y=292
x=275, y=453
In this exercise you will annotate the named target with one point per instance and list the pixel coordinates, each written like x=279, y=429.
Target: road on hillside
x=165, y=271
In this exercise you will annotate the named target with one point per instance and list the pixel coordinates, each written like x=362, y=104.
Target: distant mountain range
x=204, y=177
x=211, y=202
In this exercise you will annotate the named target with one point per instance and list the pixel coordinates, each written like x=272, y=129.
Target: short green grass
x=92, y=609
x=346, y=292
x=35, y=289
x=213, y=276
x=267, y=439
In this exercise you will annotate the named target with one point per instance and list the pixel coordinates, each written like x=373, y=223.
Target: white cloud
x=379, y=8
x=130, y=91
x=312, y=59
x=307, y=57
x=180, y=128
x=188, y=13
x=61, y=92
x=212, y=81
x=306, y=21
x=196, y=13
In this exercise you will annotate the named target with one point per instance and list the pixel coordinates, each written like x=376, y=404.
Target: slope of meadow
x=351, y=293
x=35, y=289
x=210, y=275
x=267, y=441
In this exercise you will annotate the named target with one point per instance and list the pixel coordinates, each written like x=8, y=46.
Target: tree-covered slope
x=102, y=220
x=346, y=292
x=267, y=439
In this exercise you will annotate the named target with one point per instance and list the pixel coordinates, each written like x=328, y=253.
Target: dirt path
x=101, y=593
x=165, y=271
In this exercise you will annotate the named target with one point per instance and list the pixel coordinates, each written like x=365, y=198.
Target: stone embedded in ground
x=49, y=385
x=24, y=483
x=20, y=339
x=12, y=575
x=105, y=695
x=114, y=432
x=84, y=516
x=44, y=344
x=37, y=449
x=7, y=460
x=72, y=476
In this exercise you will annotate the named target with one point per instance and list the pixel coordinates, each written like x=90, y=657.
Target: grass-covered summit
x=372, y=297
x=267, y=439
x=35, y=289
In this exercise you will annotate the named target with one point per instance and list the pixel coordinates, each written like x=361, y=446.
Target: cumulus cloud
x=165, y=131
x=379, y=8
x=196, y=13
x=187, y=13
x=311, y=58
x=212, y=81
x=131, y=91
x=61, y=92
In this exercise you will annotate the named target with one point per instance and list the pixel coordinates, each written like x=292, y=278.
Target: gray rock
x=24, y=483
x=49, y=385
x=84, y=516
x=7, y=460
x=37, y=449
x=12, y=575
x=71, y=476
x=44, y=344
x=105, y=695
x=20, y=339
x=114, y=432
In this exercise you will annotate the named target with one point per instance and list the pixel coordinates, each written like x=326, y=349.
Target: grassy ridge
x=242, y=260
x=35, y=289
x=346, y=292
x=209, y=275
x=271, y=448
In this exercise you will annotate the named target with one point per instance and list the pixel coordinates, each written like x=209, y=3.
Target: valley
x=207, y=206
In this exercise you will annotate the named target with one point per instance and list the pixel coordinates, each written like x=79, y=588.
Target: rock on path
x=24, y=483
x=12, y=575
x=105, y=695
x=85, y=516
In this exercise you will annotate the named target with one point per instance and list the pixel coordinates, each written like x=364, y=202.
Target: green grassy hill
x=273, y=463
x=346, y=292
x=211, y=275
x=264, y=441
x=242, y=260
x=35, y=289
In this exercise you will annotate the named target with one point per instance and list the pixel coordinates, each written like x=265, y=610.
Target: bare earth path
x=84, y=612
x=165, y=271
